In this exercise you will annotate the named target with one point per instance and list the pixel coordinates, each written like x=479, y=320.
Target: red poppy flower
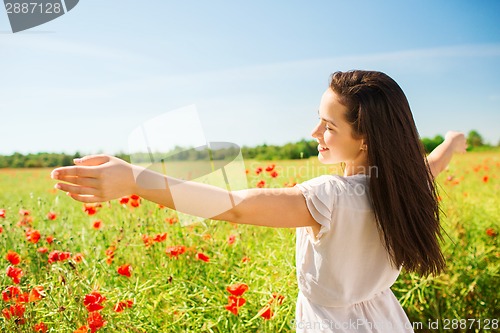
x=485, y=179
x=15, y=274
x=160, y=237
x=24, y=212
x=91, y=209
x=120, y=306
x=16, y=310
x=36, y=294
x=175, y=251
x=2, y=213
x=110, y=254
x=234, y=303
x=33, y=236
x=134, y=197
x=148, y=241
x=124, y=200
x=95, y=321
x=245, y=259
x=97, y=224
x=64, y=256
x=49, y=239
x=78, y=257
x=82, y=329
x=237, y=289
x=13, y=257
x=125, y=270
x=40, y=327
x=231, y=239
x=11, y=293
x=491, y=232
x=274, y=174
x=53, y=256
x=261, y=184
x=266, y=312
x=23, y=298
x=270, y=167
x=25, y=220
x=278, y=298
x=58, y=256
x=51, y=216
x=42, y=250
x=1, y=229
x=202, y=256
x=172, y=220
x=258, y=170
x=135, y=203
x=233, y=309
x=93, y=301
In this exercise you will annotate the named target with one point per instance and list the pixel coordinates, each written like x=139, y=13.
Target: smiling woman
x=354, y=232
x=335, y=136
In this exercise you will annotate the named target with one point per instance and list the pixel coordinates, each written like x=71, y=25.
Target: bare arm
x=440, y=157
x=103, y=178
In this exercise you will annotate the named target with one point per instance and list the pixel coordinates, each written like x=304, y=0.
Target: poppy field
x=129, y=266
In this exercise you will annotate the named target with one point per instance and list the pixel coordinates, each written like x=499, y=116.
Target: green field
x=168, y=293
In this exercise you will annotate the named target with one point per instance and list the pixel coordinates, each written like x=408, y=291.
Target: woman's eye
x=327, y=127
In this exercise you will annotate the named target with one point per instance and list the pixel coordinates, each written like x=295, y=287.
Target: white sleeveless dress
x=344, y=274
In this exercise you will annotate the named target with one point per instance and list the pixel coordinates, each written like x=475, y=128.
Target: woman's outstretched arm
x=440, y=157
x=103, y=178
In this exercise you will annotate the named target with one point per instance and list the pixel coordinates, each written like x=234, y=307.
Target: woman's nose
x=317, y=132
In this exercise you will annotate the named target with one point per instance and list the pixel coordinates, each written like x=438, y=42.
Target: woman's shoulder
x=334, y=189
x=336, y=180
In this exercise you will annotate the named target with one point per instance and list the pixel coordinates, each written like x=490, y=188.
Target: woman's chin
x=325, y=160
x=328, y=159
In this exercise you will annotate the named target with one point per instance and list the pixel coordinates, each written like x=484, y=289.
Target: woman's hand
x=103, y=178
x=96, y=178
x=457, y=141
x=438, y=159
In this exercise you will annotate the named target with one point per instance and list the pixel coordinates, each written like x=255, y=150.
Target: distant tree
x=431, y=144
x=474, y=139
x=66, y=160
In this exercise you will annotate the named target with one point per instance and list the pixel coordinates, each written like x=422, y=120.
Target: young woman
x=354, y=232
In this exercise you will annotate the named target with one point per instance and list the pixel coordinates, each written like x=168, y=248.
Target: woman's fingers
x=92, y=160
x=85, y=198
x=82, y=181
x=74, y=189
x=75, y=171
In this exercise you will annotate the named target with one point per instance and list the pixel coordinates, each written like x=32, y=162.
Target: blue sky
x=255, y=70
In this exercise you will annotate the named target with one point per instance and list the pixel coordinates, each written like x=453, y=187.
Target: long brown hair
x=403, y=192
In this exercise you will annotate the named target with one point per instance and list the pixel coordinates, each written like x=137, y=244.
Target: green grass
x=189, y=295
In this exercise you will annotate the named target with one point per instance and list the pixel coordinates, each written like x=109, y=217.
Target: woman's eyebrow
x=327, y=120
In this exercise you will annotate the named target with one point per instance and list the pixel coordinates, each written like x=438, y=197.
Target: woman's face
x=334, y=134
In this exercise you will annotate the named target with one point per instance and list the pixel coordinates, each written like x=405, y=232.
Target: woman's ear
x=364, y=146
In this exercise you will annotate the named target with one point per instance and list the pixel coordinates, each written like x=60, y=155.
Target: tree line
x=296, y=150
